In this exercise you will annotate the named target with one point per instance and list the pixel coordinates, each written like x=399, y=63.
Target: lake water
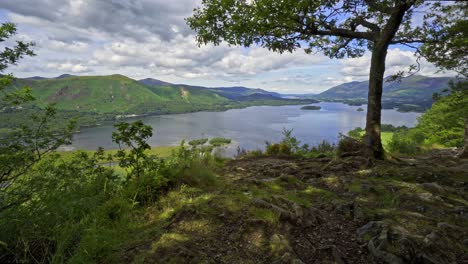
x=250, y=127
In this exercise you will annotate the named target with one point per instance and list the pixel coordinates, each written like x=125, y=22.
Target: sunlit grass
x=160, y=151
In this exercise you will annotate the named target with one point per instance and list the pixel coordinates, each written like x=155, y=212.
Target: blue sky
x=149, y=39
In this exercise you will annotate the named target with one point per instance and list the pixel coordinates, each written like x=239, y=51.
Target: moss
x=355, y=187
x=320, y=193
x=279, y=245
x=264, y=214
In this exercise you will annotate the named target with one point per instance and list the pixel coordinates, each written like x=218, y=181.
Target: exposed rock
x=370, y=230
x=378, y=247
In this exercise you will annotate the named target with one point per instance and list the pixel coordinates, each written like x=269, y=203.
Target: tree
x=336, y=28
x=23, y=147
x=449, y=52
x=133, y=136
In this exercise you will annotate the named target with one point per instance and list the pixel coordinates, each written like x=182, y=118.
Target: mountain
x=36, y=78
x=117, y=94
x=233, y=93
x=63, y=76
x=238, y=92
x=153, y=82
x=415, y=90
x=100, y=94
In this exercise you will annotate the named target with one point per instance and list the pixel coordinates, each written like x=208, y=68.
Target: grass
x=385, y=136
x=160, y=151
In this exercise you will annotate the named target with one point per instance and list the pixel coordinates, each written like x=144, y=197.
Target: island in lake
x=311, y=107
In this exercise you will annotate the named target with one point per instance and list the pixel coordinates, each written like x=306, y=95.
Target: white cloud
x=68, y=67
x=357, y=69
x=149, y=38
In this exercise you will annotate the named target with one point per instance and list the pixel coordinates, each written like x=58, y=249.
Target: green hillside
x=117, y=94
x=100, y=94
x=416, y=90
x=188, y=94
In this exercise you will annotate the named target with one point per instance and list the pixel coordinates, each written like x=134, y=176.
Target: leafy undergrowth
x=284, y=210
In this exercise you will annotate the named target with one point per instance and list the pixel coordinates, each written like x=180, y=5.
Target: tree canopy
x=338, y=28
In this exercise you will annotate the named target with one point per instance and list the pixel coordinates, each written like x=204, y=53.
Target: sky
x=149, y=39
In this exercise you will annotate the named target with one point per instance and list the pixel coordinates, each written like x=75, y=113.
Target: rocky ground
x=290, y=210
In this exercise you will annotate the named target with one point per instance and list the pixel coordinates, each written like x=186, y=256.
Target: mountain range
x=118, y=94
x=99, y=98
x=415, y=90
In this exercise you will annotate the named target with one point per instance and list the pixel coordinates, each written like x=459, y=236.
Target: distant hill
x=63, y=76
x=239, y=92
x=233, y=93
x=153, y=82
x=36, y=78
x=416, y=90
x=118, y=94
x=100, y=94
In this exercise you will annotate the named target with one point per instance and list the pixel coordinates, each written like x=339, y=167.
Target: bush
x=356, y=133
x=218, y=141
x=405, y=142
x=349, y=145
x=278, y=149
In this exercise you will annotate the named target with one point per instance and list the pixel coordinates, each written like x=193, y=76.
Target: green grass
x=385, y=136
x=160, y=151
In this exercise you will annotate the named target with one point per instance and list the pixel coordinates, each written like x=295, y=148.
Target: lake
x=249, y=127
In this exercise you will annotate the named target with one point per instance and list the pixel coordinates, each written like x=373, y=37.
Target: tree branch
x=361, y=21
x=384, y=9
x=340, y=32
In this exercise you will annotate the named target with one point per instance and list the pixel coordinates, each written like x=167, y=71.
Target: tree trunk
x=464, y=153
x=372, y=138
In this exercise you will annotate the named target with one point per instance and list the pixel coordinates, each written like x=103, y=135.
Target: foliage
x=443, y=124
x=219, y=141
x=290, y=146
x=133, y=136
x=338, y=29
x=357, y=133
x=22, y=148
x=448, y=49
x=197, y=142
x=405, y=142
x=349, y=145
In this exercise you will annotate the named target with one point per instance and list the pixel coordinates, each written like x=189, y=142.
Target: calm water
x=250, y=127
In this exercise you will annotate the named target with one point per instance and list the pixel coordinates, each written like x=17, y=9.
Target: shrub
x=278, y=149
x=404, y=143
x=356, y=133
x=219, y=141
x=197, y=142
x=349, y=145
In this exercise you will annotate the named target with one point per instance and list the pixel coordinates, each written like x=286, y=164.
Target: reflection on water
x=250, y=127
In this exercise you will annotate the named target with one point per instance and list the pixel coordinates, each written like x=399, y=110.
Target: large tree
x=338, y=28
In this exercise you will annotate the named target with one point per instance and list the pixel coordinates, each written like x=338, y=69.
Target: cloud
x=357, y=69
x=190, y=61
x=135, y=19
x=68, y=67
x=149, y=38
